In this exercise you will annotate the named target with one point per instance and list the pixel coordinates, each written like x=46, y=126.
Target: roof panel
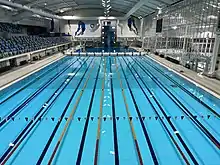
x=118, y=5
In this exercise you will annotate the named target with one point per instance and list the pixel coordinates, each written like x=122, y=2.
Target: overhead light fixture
x=7, y=7
x=212, y=17
x=36, y=15
x=107, y=6
x=174, y=27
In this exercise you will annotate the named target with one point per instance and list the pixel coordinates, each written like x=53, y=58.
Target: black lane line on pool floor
x=79, y=157
x=30, y=98
x=9, y=151
x=31, y=82
x=181, y=106
x=167, y=118
x=72, y=113
x=61, y=118
x=114, y=120
x=140, y=159
x=147, y=138
x=183, y=88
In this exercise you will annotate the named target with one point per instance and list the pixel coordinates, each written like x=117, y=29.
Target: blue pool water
x=108, y=110
x=110, y=50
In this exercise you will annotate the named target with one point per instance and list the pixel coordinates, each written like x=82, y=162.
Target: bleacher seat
x=10, y=28
x=22, y=44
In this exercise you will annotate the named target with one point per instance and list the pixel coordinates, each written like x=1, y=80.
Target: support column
x=215, y=55
x=167, y=39
x=215, y=49
x=142, y=29
x=184, y=44
x=143, y=43
x=142, y=32
x=155, y=46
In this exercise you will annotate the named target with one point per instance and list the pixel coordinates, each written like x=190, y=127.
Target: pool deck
x=18, y=73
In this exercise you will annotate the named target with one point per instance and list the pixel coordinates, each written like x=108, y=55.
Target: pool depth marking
x=129, y=115
x=100, y=118
x=182, y=107
x=184, y=89
x=167, y=118
x=114, y=118
x=70, y=118
x=37, y=119
x=153, y=154
x=79, y=157
x=30, y=98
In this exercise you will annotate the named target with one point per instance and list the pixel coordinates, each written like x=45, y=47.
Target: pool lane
x=22, y=99
x=204, y=98
x=206, y=139
x=130, y=108
x=170, y=148
x=66, y=92
x=18, y=86
x=37, y=102
x=16, y=130
x=185, y=104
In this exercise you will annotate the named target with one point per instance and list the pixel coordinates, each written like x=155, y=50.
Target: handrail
x=33, y=52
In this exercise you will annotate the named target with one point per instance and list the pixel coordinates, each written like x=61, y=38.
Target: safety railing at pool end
x=105, y=53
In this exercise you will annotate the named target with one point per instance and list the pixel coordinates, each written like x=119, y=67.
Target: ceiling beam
x=20, y=16
x=27, y=8
x=134, y=9
x=34, y=2
x=168, y=2
x=91, y=18
x=151, y=8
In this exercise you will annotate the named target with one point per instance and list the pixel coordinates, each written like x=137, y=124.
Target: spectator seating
x=22, y=44
x=10, y=28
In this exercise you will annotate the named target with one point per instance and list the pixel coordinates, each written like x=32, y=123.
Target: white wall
x=123, y=30
x=74, y=25
x=88, y=33
x=149, y=27
x=4, y=16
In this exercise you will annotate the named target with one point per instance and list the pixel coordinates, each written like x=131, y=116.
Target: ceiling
x=138, y=8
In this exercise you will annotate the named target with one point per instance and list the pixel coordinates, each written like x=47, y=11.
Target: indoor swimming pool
x=108, y=110
x=119, y=49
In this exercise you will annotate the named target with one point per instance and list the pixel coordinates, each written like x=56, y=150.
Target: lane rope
x=183, y=88
x=148, y=140
x=23, y=134
x=70, y=117
x=164, y=125
x=129, y=115
x=100, y=118
x=80, y=152
x=30, y=98
x=182, y=107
